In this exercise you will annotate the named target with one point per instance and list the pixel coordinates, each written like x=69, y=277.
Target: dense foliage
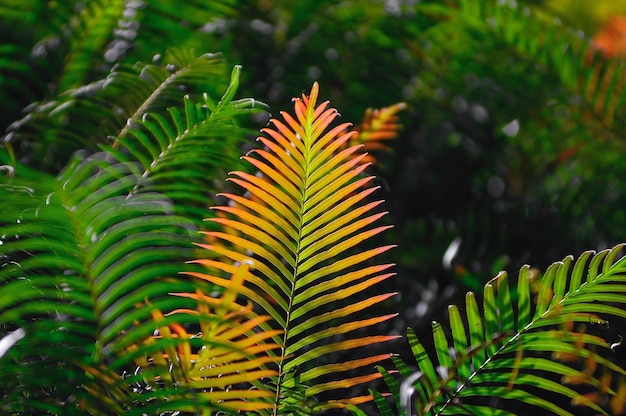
x=120, y=122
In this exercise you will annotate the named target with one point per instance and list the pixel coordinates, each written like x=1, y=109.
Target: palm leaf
x=93, y=36
x=82, y=258
x=194, y=144
x=67, y=65
x=94, y=114
x=224, y=366
x=378, y=126
x=80, y=255
x=567, y=54
x=525, y=350
x=302, y=239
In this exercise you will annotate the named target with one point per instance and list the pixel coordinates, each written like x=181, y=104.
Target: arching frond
x=300, y=227
x=102, y=112
x=67, y=65
x=92, y=36
x=524, y=344
x=82, y=253
x=194, y=144
x=220, y=368
x=80, y=257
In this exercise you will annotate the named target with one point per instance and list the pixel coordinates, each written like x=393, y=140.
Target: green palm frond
x=82, y=253
x=92, y=29
x=523, y=345
x=194, y=144
x=91, y=115
x=79, y=260
x=300, y=226
x=62, y=62
x=92, y=36
x=161, y=85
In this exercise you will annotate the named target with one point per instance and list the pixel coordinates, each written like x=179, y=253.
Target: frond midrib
x=145, y=105
x=297, y=256
x=584, y=287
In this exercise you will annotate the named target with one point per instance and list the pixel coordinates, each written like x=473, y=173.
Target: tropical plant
x=51, y=49
x=94, y=220
x=115, y=143
x=526, y=348
x=84, y=250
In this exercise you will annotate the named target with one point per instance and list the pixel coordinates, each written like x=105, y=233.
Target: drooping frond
x=80, y=257
x=303, y=227
x=220, y=368
x=524, y=344
x=82, y=253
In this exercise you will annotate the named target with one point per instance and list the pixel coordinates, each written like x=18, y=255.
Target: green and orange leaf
x=378, y=126
x=304, y=224
x=223, y=366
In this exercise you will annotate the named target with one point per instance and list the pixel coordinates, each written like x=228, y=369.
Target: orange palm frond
x=378, y=126
x=303, y=226
x=223, y=366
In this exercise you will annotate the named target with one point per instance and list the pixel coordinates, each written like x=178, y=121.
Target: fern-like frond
x=378, y=126
x=525, y=344
x=80, y=256
x=94, y=25
x=303, y=239
x=102, y=112
x=223, y=366
x=599, y=82
x=93, y=36
x=195, y=144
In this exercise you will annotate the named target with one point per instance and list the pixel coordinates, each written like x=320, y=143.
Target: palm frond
x=93, y=36
x=61, y=67
x=91, y=115
x=522, y=350
x=301, y=239
x=194, y=144
x=83, y=252
x=79, y=259
x=378, y=126
x=223, y=366
x=95, y=25
x=568, y=54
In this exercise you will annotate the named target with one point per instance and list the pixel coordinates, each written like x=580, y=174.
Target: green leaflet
x=526, y=356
